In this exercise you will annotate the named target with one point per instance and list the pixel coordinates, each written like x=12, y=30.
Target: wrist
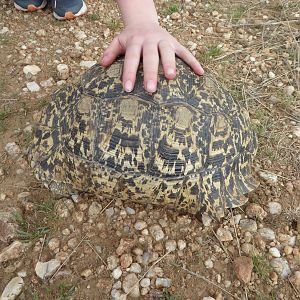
x=136, y=12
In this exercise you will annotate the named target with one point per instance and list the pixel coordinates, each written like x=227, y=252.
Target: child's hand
x=150, y=41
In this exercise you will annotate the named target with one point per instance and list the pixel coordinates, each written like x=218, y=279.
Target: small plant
x=212, y=52
x=27, y=138
x=3, y=115
x=94, y=17
x=261, y=267
x=43, y=103
x=168, y=296
x=65, y=291
x=266, y=297
x=114, y=24
x=238, y=11
x=173, y=8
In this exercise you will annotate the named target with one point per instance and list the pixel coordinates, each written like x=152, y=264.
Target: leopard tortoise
x=188, y=146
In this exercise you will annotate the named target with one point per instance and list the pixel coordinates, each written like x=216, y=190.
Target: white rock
x=163, y=282
x=112, y=262
x=171, y=245
x=80, y=35
x=63, y=71
x=209, y=30
x=95, y=209
x=206, y=220
x=208, y=298
x=135, y=268
x=267, y=234
x=130, y=211
x=209, y=264
x=275, y=208
x=131, y=286
x=268, y=176
x=106, y=33
x=157, y=232
x=13, y=251
x=181, y=244
x=12, y=289
x=224, y=234
x=271, y=75
x=47, y=83
x=12, y=149
x=281, y=267
x=117, y=273
x=297, y=131
x=32, y=86
x=274, y=252
x=32, y=69
x=117, y=285
x=289, y=90
x=145, y=282
x=87, y=63
x=4, y=30
x=46, y=269
x=140, y=225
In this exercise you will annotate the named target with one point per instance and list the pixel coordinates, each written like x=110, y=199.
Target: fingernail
x=151, y=86
x=128, y=86
x=170, y=71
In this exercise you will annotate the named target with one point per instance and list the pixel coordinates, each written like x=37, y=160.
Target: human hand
x=150, y=41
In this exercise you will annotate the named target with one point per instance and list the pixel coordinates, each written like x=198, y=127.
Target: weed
x=114, y=24
x=212, y=52
x=65, y=291
x=4, y=115
x=238, y=11
x=43, y=103
x=261, y=267
x=266, y=297
x=173, y=8
x=168, y=296
x=27, y=138
x=94, y=17
x=2, y=84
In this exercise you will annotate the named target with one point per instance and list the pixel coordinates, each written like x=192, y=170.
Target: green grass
x=4, y=114
x=27, y=138
x=114, y=24
x=266, y=297
x=261, y=267
x=212, y=52
x=43, y=103
x=94, y=17
x=168, y=296
x=26, y=232
x=2, y=84
x=237, y=12
x=173, y=8
x=65, y=291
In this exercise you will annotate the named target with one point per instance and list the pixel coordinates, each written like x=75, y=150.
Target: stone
x=53, y=244
x=289, y=90
x=171, y=245
x=181, y=245
x=13, y=289
x=125, y=244
x=163, y=282
x=131, y=286
x=248, y=225
x=275, y=208
x=12, y=149
x=175, y=15
x=117, y=273
x=208, y=298
x=135, y=268
x=47, y=83
x=33, y=86
x=224, y=235
x=267, y=234
x=206, y=220
x=112, y=262
x=268, y=176
x=288, y=250
x=7, y=230
x=95, y=210
x=274, y=252
x=87, y=63
x=125, y=260
x=46, y=269
x=281, y=267
x=255, y=211
x=145, y=282
x=243, y=266
x=295, y=279
x=106, y=33
x=271, y=75
x=209, y=264
x=157, y=232
x=140, y=225
x=130, y=211
x=13, y=251
x=72, y=243
x=63, y=71
x=41, y=32
x=32, y=69
x=248, y=248
x=86, y=273
x=4, y=30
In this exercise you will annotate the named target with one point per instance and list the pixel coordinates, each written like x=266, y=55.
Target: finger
x=131, y=64
x=189, y=58
x=167, y=55
x=150, y=66
x=112, y=52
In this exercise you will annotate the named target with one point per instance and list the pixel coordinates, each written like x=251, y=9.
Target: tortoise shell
x=188, y=146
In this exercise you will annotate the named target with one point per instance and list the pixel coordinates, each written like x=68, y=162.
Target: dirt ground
x=252, y=47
